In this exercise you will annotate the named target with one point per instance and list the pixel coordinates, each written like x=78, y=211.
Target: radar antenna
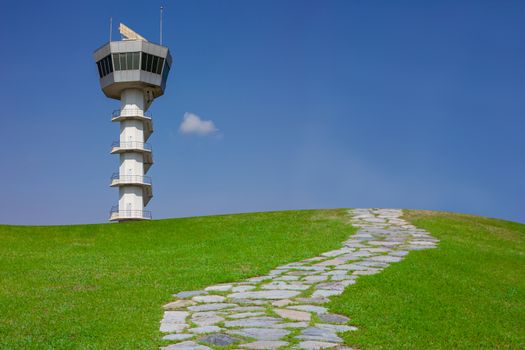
x=129, y=34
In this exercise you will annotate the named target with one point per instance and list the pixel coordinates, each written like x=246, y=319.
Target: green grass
x=467, y=294
x=102, y=286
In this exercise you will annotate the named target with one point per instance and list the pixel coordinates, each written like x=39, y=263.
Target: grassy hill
x=469, y=293
x=102, y=286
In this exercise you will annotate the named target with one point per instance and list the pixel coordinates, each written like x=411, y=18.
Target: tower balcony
x=130, y=146
x=119, y=115
x=118, y=147
x=134, y=180
x=128, y=215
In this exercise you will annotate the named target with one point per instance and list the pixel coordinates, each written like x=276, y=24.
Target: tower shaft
x=131, y=198
x=135, y=189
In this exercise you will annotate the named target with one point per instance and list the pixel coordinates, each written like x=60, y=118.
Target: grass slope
x=467, y=294
x=102, y=286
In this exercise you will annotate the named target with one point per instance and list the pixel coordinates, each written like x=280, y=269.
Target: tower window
x=159, y=66
x=123, y=61
x=116, y=61
x=155, y=63
x=144, y=59
x=105, y=66
x=129, y=56
x=126, y=60
x=130, y=60
x=152, y=63
x=99, y=67
x=136, y=59
x=149, y=67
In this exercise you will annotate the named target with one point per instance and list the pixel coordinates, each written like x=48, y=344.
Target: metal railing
x=129, y=214
x=130, y=112
x=132, y=145
x=135, y=179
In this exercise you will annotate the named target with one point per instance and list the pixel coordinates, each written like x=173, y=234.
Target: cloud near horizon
x=193, y=124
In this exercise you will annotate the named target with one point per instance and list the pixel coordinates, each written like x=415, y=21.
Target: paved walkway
x=284, y=309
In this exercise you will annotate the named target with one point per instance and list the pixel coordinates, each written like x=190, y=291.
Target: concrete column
x=131, y=163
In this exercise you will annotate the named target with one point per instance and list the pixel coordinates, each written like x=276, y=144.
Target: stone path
x=284, y=308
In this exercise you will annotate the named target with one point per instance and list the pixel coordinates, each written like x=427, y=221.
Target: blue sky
x=318, y=104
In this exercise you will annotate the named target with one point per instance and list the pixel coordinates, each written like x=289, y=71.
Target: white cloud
x=193, y=124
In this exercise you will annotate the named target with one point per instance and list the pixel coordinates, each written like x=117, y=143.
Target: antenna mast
x=110, y=27
x=161, y=10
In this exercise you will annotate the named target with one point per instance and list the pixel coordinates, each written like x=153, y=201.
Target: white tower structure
x=133, y=71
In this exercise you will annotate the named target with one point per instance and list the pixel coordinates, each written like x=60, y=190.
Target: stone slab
x=219, y=339
x=315, y=333
x=264, y=344
x=309, y=308
x=206, y=318
x=178, y=336
x=334, y=318
x=205, y=329
x=261, y=333
x=314, y=345
x=178, y=304
x=265, y=294
x=189, y=294
x=253, y=322
x=219, y=288
x=186, y=345
x=209, y=298
x=293, y=315
x=211, y=307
